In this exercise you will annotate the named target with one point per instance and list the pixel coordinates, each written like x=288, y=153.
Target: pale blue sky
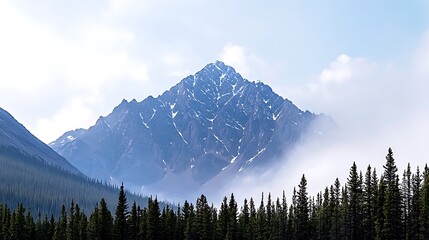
x=365, y=63
x=67, y=62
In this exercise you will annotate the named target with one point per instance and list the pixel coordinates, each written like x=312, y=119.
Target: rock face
x=208, y=122
x=13, y=134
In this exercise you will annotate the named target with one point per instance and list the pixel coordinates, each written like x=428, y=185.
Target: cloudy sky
x=365, y=63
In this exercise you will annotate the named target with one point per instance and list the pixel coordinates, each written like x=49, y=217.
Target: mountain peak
x=219, y=66
x=212, y=122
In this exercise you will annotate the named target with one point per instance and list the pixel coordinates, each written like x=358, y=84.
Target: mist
x=375, y=106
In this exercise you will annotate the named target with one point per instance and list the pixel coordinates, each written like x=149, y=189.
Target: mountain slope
x=15, y=135
x=33, y=174
x=207, y=123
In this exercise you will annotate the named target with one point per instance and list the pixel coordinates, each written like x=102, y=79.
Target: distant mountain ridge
x=33, y=174
x=15, y=135
x=209, y=122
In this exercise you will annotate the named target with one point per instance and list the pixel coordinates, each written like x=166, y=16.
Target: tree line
x=366, y=206
x=42, y=187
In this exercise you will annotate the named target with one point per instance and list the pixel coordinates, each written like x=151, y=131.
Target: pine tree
x=314, y=216
x=415, y=231
x=335, y=192
x=425, y=171
x=325, y=217
x=368, y=206
x=282, y=211
x=291, y=230
x=19, y=224
x=72, y=226
x=243, y=221
x=302, y=211
x=39, y=227
x=223, y=219
x=47, y=232
x=143, y=224
x=133, y=224
x=6, y=220
x=93, y=224
x=180, y=225
x=171, y=223
x=187, y=222
x=252, y=220
x=276, y=222
x=78, y=218
x=214, y=220
x=354, y=204
x=345, y=220
x=105, y=221
x=381, y=200
x=168, y=224
x=232, y=219
x=269, y=217
x=292, y=223
x=261, y=219
x=393, y=227
x=153, y=220
x=30, y=227
x=61, y=228
x=12, y=233
x=83, y=226
x=375, y=198
x=189, y=219
x=52, y=226
x=203, y=224
x=120, y=223
x=406, y=199
x=425, y=208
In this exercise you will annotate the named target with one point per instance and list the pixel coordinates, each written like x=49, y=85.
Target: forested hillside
x=41, y=187
x=365, y=207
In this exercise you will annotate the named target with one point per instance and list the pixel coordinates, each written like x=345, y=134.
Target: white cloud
x=118, y=8
x=25, y=59
x=172, y=59
x=342, y=71
x=234, y=55
x=93, y=54
x=76, y=112
x=102, y=38
x=247, y=64
x=347, y=83
x=339, y=70
x=376, y=106
x=35, y=57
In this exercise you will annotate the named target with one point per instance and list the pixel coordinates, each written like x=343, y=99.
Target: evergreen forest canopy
x=365, y=207
x=43, y=188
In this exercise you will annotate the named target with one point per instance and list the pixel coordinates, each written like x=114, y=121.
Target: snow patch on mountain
x=210, y=123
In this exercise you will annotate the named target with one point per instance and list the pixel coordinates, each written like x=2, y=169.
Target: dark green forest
x=40, y=187
x=366, y=206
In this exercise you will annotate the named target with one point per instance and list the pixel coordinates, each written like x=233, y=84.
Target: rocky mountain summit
x=209, y=122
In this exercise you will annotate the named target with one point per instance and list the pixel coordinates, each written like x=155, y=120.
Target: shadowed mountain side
x=14, y=134
x=209, y=122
